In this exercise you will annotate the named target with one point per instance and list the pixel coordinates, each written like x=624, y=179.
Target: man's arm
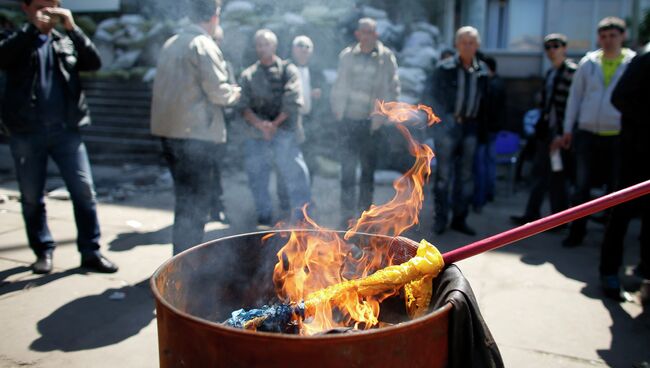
x=292, y=95
x=16, y=48
x=576, y=94
x=338, y=94
x=394, y=88
x=214, y=75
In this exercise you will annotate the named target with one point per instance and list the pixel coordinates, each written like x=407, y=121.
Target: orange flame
x=311, y=261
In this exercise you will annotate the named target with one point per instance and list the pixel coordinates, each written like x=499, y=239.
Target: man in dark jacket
x=549, y=167
x=632, y=98
x=458, y=90
x=485, y=156
x=43, y=111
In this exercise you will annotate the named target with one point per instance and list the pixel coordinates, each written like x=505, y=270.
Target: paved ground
x=540, y=300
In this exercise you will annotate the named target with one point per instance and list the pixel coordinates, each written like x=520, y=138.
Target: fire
x=314, y=260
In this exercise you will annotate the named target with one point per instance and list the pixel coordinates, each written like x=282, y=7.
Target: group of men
x=591, y=131
x=194, y=85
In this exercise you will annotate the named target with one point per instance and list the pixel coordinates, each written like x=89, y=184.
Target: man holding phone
x=43, y=111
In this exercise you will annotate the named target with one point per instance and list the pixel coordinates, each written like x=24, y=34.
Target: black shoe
x=43, y=264
x=439, y=228
x=611, y=286
x=462, y=227
x=99, y=264
x=264, y=223
x=572, y=241
x=220, y=216
x=521, y=220
x=641, y=272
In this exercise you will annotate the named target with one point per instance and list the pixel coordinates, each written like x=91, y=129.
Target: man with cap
x=549, y=164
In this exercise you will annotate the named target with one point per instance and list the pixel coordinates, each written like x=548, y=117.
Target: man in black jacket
x=550, y=162
x=459, y=88
x=632, y=97
x=43, y=110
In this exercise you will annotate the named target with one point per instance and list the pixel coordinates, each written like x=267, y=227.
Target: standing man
x=549, y=174
x=43, y=111
x=459, y=88
x=311, y=80
x=271, y=100
x=367, y=72
x=632, y=98
x=190, y=92
x=592, y=125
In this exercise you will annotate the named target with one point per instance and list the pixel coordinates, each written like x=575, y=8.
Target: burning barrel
x=197, y=290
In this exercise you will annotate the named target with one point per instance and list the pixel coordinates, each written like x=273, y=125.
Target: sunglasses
x=552, y=46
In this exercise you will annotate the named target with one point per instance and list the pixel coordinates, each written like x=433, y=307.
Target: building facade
x=513, y=30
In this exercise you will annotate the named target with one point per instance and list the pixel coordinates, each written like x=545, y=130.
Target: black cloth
x=495, y=108
x=74, y=52
x=555, y=100
x=51, y=85
x=632, y=97
x=470, y=341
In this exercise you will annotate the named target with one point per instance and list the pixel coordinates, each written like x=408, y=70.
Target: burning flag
x=331, y=282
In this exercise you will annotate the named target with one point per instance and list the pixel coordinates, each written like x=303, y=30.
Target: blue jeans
x=283, y=151
x=484, y=172
x=30, y=152
x=455, y=146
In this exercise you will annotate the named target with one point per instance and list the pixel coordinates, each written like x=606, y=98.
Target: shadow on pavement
x=128, y=241
x=12, y=271
x=96, y=320
x=9, y=287
x=629, y=347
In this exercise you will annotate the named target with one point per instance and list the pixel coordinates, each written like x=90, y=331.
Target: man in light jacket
x=367, y=72
x=592, y=125
x=189, y=93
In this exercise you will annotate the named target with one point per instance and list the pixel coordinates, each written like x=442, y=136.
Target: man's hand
x=556, y=144
x=60, y=15
x=268, y=129
x=566, y=140
x=43, y=22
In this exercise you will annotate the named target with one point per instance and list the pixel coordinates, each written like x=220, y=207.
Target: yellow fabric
x=610, y=66
x=427, y=262
x=609, y=133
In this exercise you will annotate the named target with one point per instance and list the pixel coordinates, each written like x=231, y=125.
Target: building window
x=525, y=25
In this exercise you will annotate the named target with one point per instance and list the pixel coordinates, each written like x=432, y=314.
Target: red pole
x=549, y=222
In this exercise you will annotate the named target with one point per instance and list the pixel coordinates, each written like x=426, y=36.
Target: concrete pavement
x=541, y=301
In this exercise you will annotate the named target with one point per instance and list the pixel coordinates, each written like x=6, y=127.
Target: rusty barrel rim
x=372, y=333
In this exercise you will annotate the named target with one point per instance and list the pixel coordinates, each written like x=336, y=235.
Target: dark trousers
x=455, y=145
x=191, y=162
x=544, y=181
x=359, y=146
x=634, y=170
x=216, y=199
x=594, y=154
x=30, y=153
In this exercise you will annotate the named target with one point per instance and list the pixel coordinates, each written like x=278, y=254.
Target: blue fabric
x=30, y=152
x=484, y=172
x=284, y=151
x=455, y=144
